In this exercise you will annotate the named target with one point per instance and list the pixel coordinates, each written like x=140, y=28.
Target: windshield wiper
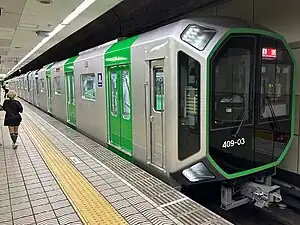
x=276, y=125
x=240, y=125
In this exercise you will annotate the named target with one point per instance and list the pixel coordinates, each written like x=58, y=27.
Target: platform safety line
x=90, y=205
x=97, y=160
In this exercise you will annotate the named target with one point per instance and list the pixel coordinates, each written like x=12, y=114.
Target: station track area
x=59, y=176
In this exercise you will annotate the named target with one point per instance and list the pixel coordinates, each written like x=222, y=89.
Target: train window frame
x=284, y=62
x=82, y=76
x=251, y=113
x=155, y=102
x=182, y=153
x=201, y=28
x=57, y=85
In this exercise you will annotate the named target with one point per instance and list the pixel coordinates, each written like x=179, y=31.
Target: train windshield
x=250, y=101
x=232, y=77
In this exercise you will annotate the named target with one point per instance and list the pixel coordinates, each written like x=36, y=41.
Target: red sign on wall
x=269, y=53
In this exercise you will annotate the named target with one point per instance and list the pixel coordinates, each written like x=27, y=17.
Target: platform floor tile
x=25, y=197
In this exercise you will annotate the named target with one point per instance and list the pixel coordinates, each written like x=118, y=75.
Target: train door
x=49, y=90
x=119, y=93
x=156, y=148
x=70, y=98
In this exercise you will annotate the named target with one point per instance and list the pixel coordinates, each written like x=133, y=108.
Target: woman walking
x=12, y=119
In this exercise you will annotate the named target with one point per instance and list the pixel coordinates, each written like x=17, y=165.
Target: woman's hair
x=11, y=94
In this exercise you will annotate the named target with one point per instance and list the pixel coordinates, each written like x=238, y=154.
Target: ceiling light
x=83, y=6
x=28, y=26
x=42, y=33
x=77, y=11
x=1, y=11
x=46, y=2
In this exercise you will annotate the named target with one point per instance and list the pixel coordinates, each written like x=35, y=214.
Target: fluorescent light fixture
x=82, y=7
x=77, y=11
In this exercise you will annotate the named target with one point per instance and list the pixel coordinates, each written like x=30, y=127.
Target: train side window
x=159, y=89
x=188, y=106
x=114, y=93
x=57, y=88
x=126, y=94
x=88, y=86
x=42, y=82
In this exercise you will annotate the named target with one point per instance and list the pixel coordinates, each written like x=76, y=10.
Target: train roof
x=229, y=22
x=221, y=23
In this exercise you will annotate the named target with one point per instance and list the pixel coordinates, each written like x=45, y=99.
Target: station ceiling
x=24, y=24
x=128, y=18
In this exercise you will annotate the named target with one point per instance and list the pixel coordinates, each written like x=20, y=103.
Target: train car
x=35, y=88
x=12, y=84
x=26, y=86
x=89, y=92
x=18, y=86
x=196, y=101
x=58, y=91
x=21, y=85
x=31, y=86
x=45, y=84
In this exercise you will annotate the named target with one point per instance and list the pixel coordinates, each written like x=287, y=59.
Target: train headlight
x=197, y=172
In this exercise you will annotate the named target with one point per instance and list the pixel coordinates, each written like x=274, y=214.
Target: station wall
x=282, y=17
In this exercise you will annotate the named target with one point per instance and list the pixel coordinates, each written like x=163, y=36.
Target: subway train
x=195, y=101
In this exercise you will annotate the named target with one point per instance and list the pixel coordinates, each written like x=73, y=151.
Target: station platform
x=59, y=176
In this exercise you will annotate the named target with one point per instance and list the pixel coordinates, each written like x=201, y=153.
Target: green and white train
x=196, y=101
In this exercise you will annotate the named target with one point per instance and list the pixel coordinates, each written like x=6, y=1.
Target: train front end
x=250, y=103
x=249, y=110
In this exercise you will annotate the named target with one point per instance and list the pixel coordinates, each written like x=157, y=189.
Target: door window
x=188, y=106
x=114, y=93
x=73, y=89
x=57, y=88
x=126, y=94
x=158, y=89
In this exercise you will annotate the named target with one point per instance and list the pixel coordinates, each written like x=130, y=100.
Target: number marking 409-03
x=232, y=143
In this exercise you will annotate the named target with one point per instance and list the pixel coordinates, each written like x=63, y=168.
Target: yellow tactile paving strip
x=90, y=205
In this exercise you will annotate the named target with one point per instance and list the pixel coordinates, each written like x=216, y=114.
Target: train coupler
x=261, y=194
